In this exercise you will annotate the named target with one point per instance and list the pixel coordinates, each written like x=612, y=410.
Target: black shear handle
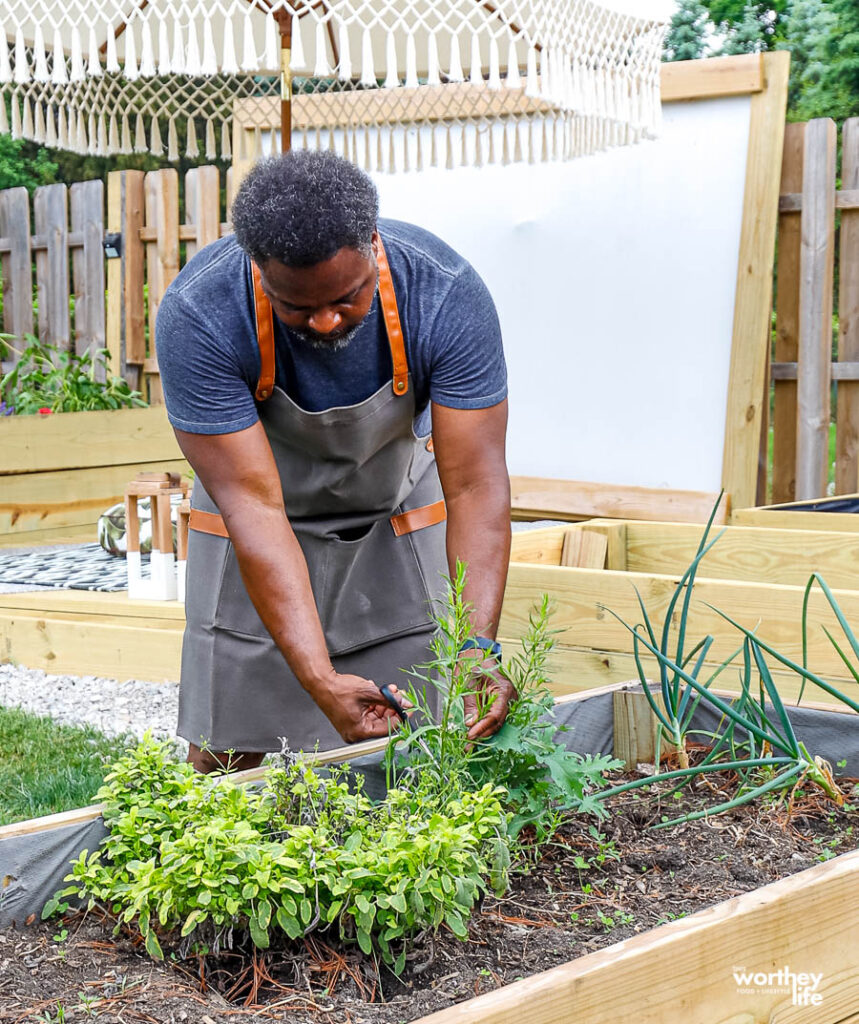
x=392, y=700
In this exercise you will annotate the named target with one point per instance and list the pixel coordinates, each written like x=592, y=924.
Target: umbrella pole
x=284, y=22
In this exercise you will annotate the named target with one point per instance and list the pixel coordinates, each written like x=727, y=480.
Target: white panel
x=614, y=277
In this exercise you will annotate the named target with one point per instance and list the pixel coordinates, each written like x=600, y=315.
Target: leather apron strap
x=390, y=313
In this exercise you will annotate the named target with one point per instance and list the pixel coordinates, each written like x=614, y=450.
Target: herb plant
x=199, y=856
x=50, y=378
x=541, y=778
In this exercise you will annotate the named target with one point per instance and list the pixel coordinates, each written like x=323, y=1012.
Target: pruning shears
x=403, y=715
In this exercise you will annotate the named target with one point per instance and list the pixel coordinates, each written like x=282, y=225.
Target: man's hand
x=356, y=708
x=487, y=705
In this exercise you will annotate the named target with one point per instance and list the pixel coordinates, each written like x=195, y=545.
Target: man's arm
x=469, y=451
x=239, y=473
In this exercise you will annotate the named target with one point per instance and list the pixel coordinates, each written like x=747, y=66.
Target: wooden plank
x=584, y=548
x=579, y=669
x=162, y=256
x=753, y=301
x=781, y=519
x=202, y=208
x=711, y=77
x=585, y=598
x=848, y=371
x=845, y=199
x=541, y=546
x=50, y=218
x=847, y=424
x=545, y=498
x=87, y=217
x=815, y=308
x=615, y=535
x=92, y=606
x=16, y=263
x=745, y=553
x=805, y=921
x=635, y=728
x=64, y=499
x=148, y=649
x=77, y=440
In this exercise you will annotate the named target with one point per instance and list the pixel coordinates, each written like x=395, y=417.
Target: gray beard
x=335, y=344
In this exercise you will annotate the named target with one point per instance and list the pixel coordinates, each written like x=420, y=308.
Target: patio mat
x=76, y=567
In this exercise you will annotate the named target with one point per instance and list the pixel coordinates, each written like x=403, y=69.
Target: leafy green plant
x=541, y=778
x=50, y=378
x=196, y=856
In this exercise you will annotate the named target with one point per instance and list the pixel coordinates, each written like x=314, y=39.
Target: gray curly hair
x=303, y=207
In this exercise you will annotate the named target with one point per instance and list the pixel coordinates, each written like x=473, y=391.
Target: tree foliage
x=687, y=36
x=24, y=165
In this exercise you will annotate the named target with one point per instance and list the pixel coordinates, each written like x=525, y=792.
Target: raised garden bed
x=835, y=513
x=685, y=969
x=58, y=473
x=756, y=575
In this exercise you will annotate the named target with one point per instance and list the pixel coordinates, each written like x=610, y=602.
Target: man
x=301, y=362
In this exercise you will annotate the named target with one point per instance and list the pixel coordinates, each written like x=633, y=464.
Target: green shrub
x=47, y=377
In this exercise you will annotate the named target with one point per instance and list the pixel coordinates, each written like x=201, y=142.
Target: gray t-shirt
x=209, y=357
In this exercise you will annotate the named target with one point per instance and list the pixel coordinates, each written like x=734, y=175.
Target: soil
x=592, y=887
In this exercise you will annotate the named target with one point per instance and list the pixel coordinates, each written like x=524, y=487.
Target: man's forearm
x=478, y=534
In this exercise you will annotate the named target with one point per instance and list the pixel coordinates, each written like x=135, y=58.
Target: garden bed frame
x=754, y=574
x=679, y=972
x=58, y=473
x=799, y=515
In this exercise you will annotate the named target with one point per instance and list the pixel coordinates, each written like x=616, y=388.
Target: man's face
x=324, y=304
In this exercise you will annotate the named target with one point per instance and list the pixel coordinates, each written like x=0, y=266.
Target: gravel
x=114, y=708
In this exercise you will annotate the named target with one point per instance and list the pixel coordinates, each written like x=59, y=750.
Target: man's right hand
x=356, y=708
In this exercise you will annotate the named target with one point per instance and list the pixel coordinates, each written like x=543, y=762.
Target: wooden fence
x=159, y=230
x=806, y=362
x=66, y=251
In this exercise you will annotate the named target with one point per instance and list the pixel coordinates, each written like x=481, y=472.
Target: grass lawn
x=45, y=767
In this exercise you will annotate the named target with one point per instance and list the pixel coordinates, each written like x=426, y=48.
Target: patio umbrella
x=118, y=76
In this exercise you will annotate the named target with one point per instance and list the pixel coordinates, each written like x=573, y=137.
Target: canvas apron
x=362, y=494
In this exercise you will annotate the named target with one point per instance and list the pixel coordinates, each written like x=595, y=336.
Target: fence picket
x=787, y=320
x=202, y=207
x=126, y=315
x=87, y=211
x=815, y=308
x=16, y=262
x=847, y=416
x=162, y=257
x=51, y=242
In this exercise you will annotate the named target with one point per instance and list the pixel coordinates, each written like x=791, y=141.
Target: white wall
x=614, y=277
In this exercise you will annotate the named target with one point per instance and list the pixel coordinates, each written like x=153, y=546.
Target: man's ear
x=374, y=244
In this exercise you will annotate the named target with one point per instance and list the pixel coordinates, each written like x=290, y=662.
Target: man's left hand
x=487, y=705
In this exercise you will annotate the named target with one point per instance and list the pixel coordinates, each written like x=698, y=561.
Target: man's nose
x=324, y=321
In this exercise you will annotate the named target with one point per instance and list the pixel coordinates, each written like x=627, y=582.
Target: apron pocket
x=369, y=589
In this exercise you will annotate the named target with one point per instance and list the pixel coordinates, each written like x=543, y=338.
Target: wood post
x=126, y=338
x=847, y=426
x=202, y=207
x=787, y=319
x=162, y=257
x=87, y=210
x=16, y=262
x=815, y=308
x=50, y=215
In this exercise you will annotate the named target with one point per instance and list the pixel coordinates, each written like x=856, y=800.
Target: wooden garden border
x=755, y=575
x=787, y=516
x=59, y=473
x=805, y=923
